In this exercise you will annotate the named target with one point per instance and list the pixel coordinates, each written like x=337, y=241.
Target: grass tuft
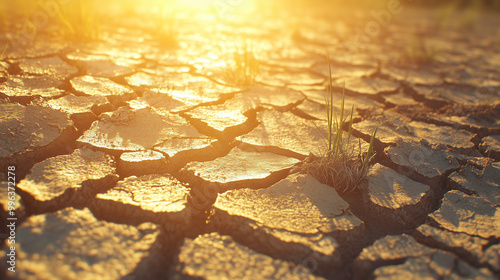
x=244, y=68
x=79, y=20
x=417, y=51
x=3, y=51
x=339, y=166
x=168, y=35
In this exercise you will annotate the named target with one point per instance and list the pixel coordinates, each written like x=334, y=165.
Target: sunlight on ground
x=194, y=116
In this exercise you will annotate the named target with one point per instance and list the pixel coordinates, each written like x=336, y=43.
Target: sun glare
x=249, y=139
x=221, y=8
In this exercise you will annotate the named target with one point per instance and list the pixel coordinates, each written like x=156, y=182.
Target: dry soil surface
x=136, y=160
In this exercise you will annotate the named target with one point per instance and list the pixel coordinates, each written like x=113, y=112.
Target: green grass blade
x=4, y=50
x=338, y=167
x=329, y=104
x=341, y=122
x=370, y=148
x=322, y=132
x=66, y=23
x=350, y=129
x=336, y=131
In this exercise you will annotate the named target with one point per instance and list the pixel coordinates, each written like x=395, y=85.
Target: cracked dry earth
x=139, y=162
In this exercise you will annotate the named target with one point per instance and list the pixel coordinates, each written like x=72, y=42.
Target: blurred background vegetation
x=459, y=3
x=83, y=19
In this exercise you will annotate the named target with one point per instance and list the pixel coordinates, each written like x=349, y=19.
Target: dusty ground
x=137, y=158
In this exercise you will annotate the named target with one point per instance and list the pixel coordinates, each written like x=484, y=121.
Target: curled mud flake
x=240, y=165
x=439, y=264
x=129, y=129
x=491, y=146
x=234, y=261
x=25, y=88
x=100, y=65
x=425, y=160
x=285, y=131
x=79, y=253
x=148, y=198
x=396, y=197
x=388, y=249
x=484, y=182
x=295, y=216
x=97, y=86
x=28, y=132
x=370, y=86
x=457, y=209
x=53, y=65
x=52, y=183
x=468, y=247
x=422, y=77
x=141, y=163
